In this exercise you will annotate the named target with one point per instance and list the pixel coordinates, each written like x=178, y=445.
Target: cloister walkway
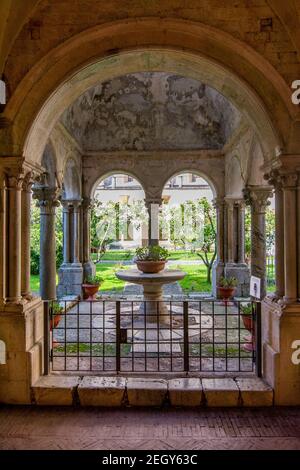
x=167, y=429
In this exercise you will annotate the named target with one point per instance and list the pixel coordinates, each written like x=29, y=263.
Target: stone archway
x=252, y=84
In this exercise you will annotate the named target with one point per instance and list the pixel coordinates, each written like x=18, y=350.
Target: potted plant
x=56, y=314
x=151, y=259
x=226, y=287
x=91, y=286
x=246, y=313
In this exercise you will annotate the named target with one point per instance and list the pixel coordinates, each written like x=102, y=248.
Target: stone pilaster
x=258, y=198
x=47, y=201
x=14, y=188
x=3, y=236
x=289, y=186
x=89, y=267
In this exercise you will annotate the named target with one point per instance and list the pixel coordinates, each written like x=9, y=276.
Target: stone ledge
x=185, y=391
x=255, y=392
x=146, y=391
x=220, y=392
x=53, y=390
x=102, y=391
x=111, y=391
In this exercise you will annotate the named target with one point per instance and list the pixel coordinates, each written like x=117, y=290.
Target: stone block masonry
x=154, y=392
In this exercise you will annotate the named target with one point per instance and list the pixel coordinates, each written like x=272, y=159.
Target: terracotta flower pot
x=248, y=322
x=54, y=321
x=151, y=267
x=90, y=291
x=226, y=293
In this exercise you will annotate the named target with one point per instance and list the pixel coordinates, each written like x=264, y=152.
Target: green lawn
x=123, y=255
x=107, y=272
x=195, y=280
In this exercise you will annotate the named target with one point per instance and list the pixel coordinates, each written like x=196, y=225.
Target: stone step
x=120, y=391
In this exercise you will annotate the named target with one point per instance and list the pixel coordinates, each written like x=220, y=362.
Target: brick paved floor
x=174, y=429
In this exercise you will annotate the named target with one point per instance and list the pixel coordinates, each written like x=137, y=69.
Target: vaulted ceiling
x=148, y=111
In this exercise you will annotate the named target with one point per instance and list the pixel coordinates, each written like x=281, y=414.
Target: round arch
x=212, y=184
x=196, y=51
x=94, y=183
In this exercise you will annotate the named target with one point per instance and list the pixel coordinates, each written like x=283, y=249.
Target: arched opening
x=119, y=225
x=188, y=229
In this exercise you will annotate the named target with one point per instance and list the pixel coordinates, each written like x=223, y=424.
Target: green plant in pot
x=226, y=287
x=56, y=313
x=246, y=312
x=247, y=316
x=91, y=286
x=151, y=259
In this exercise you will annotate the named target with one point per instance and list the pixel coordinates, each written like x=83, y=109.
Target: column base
x=281, y=353
x=242, y=273
x=70, y=280
x=217, y=273
x=89, y=269
x=21, y=330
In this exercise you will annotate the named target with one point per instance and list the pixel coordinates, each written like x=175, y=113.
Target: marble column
x=218, y=267
x=258, y=197
x=153, y=205
x=47, y=200
x=289, y=186
x=14, y=188
x=241, y=231
x=3, y=236
x=219, y=206
x=25, y=238
x=230, y=230
x=88, y=266
x=76, y=231
x=66, y=230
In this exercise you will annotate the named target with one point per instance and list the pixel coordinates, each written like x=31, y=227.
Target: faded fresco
x=148, y=111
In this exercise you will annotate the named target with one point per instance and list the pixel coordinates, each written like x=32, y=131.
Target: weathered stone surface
x=220, y=392
x=185, y=391
x=151, y=110
x=101, y=391
x=255, y=392
x=146, y=392
x=55, y=390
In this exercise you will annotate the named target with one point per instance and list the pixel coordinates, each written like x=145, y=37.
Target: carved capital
x=258, y=198
x=87, y=203
x=15, y=182
x=288, y=180
x=218, y=203
x=47, y=198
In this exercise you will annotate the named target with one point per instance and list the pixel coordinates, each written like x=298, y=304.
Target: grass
x=115, y=255
x=96, y=349
x=195, y=279
x=111, y=282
